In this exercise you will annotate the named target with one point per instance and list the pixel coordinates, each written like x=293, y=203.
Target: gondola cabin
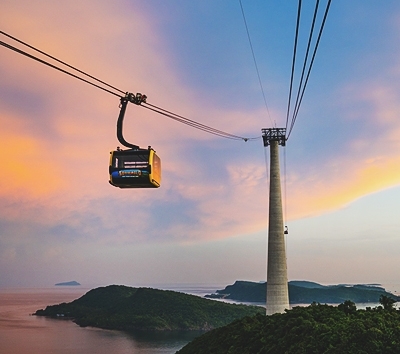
x=135, y=168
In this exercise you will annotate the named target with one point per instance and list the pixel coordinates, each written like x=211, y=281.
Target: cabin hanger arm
x=129, y=97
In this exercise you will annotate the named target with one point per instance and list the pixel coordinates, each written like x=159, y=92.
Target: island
x=126, y=308
x=304, y=292
x=68, y=283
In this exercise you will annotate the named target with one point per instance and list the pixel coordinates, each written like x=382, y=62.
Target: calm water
x=21, y=333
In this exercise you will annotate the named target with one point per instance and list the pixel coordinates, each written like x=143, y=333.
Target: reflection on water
x=22, y=333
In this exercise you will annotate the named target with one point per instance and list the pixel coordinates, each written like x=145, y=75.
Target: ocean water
x=22, y=333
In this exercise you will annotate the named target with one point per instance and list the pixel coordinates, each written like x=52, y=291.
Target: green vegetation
x=126, y=308
x=313, y=329
x=303, y=292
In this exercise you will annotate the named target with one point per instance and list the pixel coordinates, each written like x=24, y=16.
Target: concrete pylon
x=277, y=281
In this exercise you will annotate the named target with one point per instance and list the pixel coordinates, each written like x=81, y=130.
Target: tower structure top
x=274, y=134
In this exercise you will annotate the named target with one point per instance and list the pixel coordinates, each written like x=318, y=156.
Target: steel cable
x=293, y=61
x=310, y=67
x=154, y=108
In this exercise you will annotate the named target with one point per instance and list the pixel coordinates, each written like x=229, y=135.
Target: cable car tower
x=277, y=280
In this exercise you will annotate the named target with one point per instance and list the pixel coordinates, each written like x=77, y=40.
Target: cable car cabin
x=135, y=168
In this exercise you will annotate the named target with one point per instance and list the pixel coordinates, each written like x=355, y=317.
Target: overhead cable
x=293, y=61
x=54, y=66
x=59, y=61
x=310, y=67
x=156, y=109
x=255, y=61
x=195, y=124
x=305, y=59
x=297, y=107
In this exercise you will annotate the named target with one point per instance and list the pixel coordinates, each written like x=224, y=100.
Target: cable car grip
x=129, y=97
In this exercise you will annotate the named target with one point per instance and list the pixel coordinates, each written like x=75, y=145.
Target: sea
x=23, y=333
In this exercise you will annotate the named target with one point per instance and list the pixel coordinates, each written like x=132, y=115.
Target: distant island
x=304, y=292
x=68, y=283
x=126, y=308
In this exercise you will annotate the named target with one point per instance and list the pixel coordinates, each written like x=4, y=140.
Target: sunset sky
x=61, y=220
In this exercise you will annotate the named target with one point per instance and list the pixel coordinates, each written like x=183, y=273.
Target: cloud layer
x=57, y=132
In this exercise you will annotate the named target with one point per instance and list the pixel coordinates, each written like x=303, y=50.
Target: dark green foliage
x=348, y=307
x=306, y=284
x=122, y=307
x=303, y=292
x=313, y=329
x=387, y=302
x=245, y=291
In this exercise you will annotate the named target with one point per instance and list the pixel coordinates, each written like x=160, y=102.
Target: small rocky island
x=305, y=292
x=68, y=283
x=126, y=308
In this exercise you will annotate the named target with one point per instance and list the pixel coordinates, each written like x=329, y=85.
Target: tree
x=348, y=307
x=387, y=302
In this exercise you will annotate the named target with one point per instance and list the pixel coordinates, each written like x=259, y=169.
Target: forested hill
x=304, y=292
x=127, y=308
x=313, y=329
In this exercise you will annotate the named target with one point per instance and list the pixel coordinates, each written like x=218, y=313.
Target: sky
x=61, y=220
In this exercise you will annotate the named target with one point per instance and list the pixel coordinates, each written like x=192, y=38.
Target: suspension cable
x=285, y=220
x=293, y=61
x=255, y=61
x=195, y=124
x=284, y=184
x=149, y=106
x=54, y=67
x=305, y=59
x=310, y=67
x=266, y=168
x=60, y=61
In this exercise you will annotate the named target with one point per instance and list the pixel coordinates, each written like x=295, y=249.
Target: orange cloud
x=307, y=198
x=371, y=165
x=71, y=144
x=27, y=169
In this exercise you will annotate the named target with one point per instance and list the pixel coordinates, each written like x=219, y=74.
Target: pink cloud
x=372, y=163
x=71, y=133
